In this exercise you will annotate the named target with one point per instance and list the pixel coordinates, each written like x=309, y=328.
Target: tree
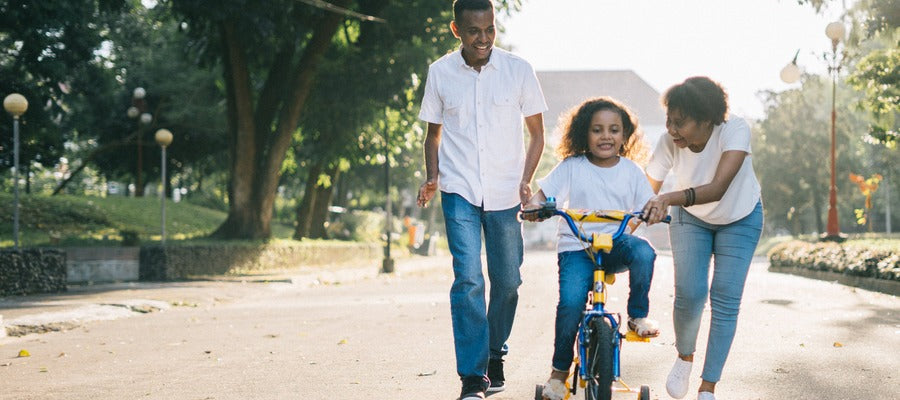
x=43, y=47
x=342, y=127
x=790, y=154
x=269, y=54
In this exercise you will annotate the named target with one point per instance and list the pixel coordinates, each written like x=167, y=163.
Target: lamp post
x=835, y=31
x=139, y=109
x=15, y=104
x=387, y=265
x=164, y=138
x=790, y=74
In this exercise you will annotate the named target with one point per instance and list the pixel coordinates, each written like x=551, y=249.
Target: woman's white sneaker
x=706, y=396
x=679, y=379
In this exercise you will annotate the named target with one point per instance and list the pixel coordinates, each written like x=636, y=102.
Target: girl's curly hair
x=575, y=126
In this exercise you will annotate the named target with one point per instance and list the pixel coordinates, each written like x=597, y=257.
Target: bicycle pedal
x=632, y=336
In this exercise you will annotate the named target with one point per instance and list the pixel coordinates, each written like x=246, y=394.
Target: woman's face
x=605, y=137
x=686, y=131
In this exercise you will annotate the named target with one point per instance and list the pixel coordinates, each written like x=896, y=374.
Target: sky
x=743, y=44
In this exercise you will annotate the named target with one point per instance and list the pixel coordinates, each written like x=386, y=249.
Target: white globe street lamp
x=163, y=138
x=16, y=105
x=138, y=111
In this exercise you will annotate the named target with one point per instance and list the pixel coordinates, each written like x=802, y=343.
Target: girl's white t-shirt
x=694, y=169
x=577, y=183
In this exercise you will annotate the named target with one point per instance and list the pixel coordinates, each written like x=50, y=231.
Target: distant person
x=596, y=174
x=716, y=213
x=474, y=102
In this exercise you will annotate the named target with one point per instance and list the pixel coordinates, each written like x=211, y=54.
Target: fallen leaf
x=5, y=364
x=62, y=355
x=428, y=373
x=43, y=369
x=838, y=344
x=343, y=341
x=24, y=353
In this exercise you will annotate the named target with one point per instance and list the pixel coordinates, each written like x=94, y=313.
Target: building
x=566, y=89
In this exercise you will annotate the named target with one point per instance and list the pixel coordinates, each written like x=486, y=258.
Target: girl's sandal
x=644, y=327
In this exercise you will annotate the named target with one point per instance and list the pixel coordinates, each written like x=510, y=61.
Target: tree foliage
x=44, y=46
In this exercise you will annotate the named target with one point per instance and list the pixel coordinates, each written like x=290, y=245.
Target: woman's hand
x=656, y=209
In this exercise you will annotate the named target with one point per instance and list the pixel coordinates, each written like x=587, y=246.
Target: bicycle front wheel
x=600, y=347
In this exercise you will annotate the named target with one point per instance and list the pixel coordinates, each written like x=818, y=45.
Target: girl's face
x=687, y=132
x=606, y=136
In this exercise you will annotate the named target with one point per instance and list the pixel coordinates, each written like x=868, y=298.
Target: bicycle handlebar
x=548, y=209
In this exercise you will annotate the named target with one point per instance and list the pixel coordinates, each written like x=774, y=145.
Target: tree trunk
x=324, y=195
x=817, y=211
x=304, y=210
x=257, y=152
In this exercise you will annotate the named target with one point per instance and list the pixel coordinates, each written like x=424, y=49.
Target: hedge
x=858, y=258
x=158, y=263
x=32, y=271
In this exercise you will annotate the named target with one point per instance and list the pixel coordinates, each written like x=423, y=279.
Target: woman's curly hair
x=575, y=126
x=699, y=98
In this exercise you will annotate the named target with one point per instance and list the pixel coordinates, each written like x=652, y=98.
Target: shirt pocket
x=506, y=109
x=455, y=115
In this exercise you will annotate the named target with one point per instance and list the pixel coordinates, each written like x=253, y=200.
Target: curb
x=104, y=307
x=876, y=285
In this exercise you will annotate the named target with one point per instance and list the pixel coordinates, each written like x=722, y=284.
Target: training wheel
x=645, y=393
x=538, y=392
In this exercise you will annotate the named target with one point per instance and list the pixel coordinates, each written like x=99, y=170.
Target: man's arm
x=432, y=143
x=535, y=126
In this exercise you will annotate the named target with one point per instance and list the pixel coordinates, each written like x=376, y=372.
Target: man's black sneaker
x=473, y=387
x=495, y=375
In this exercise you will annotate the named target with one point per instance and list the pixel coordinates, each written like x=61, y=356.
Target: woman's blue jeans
x=576, y=277
x=731, y=247
x=480, y=330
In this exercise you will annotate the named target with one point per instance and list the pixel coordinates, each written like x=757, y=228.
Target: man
x=474, y=102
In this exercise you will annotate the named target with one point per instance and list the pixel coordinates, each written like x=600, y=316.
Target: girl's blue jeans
x=480, y=330
x=576, y=277
x=731, y=248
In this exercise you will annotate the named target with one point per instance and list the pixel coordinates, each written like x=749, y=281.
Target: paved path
x=351, y=333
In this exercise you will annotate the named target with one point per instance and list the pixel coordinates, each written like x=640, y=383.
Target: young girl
x=595, y=174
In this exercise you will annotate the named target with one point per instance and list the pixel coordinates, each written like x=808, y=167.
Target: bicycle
x=598, y=347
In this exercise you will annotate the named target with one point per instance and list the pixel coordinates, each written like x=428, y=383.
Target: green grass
x=88, y=221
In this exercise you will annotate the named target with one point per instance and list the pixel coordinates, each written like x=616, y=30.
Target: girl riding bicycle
x=598, y=135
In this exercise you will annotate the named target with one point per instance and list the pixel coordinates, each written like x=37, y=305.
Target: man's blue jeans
x=731, y=246
x=479, y=330
x=576, y=277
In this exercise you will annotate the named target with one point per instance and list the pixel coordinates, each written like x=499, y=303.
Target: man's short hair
x=477, y=5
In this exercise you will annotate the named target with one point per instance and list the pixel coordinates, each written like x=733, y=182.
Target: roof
x=566, y=89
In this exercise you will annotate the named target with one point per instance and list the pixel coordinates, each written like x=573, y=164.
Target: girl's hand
x=656, y=209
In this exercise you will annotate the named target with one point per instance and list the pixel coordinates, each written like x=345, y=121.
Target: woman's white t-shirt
x=577, y=183
x=694, y=169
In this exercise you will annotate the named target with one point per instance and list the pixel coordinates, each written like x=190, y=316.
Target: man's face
x=475, y=30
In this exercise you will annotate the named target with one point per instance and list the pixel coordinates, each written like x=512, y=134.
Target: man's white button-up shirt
x=482, y=150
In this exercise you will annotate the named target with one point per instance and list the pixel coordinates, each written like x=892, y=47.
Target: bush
x=867, y=258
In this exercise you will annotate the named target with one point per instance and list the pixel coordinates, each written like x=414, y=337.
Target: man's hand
x=524, y=192
x=426, y=192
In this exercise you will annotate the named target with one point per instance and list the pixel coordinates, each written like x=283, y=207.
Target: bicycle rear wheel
x=600, y=346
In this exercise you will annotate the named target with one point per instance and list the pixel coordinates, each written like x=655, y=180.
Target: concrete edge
x=876, y=285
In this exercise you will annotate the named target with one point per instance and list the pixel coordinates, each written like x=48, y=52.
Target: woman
x=716, y=213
